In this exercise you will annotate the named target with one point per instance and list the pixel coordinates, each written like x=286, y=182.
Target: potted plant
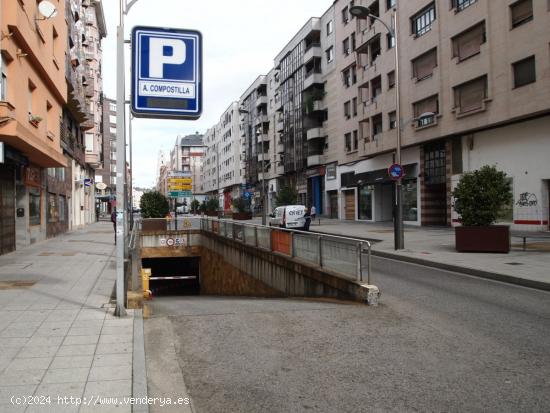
x=211, y=207
x=479, y=198
x=153, y=206
x=34, y=119
x=195, y=206
x=241, y=208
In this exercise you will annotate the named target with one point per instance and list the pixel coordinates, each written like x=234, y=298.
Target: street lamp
x=362, y=12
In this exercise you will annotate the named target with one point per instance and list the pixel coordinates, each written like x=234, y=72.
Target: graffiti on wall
x=527, y=199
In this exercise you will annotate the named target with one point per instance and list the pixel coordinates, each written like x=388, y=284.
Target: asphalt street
x=439, y=342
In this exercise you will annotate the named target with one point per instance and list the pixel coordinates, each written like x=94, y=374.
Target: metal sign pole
x=120, y=309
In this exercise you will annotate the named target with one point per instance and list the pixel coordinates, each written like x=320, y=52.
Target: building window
x=112, y=131
x=390, y=39
x=524, y=72
x=376, y=87
x=353, y=43
x=354, y=107
x=422, y=21
x=112, y=107
x=34, y=206
x=347, y=113
x=521, y=12
x=345, y=15
x=434, y=165
x=347, y=139
x=460, y=5
x=468, y=43
x=390, y=4
x=376, y=125
x=392, y=120
x=3, y=80
x=112, y=119
x=345, y=46
x=330, y=54
x=425, y=111
x=62, y=208
x=89, y=143
x=391, y=80
x=330, y=27
x=355, y=140
x=53, y=210
x=410, y=200
x=365, y=202
x=423, y=66
x=470, y=96
x=331, y=172
x=346, y=77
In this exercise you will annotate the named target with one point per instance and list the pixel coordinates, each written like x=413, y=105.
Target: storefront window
x=34, y=206
x=365, y=202
x=53, y=211
x=410, y=207
x=62, y=203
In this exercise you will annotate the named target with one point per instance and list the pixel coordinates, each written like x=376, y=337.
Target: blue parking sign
x=166, y=73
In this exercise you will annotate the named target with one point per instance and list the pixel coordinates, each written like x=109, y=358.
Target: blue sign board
x=166, y=73
x=88, y=182
x=395, y=171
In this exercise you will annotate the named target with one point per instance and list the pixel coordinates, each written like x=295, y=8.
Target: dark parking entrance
x=174, y=275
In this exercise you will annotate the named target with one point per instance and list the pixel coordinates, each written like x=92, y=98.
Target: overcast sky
x=241, y=39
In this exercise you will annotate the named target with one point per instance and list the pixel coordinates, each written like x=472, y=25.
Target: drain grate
x=513, y=263
x=7, y=285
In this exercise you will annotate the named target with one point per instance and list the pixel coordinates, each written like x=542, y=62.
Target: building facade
x=187, y=156
x=105, y=177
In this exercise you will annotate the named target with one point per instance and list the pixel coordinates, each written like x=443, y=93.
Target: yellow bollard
x=145, y=276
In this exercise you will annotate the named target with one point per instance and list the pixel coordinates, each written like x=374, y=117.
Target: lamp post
x=362, y=12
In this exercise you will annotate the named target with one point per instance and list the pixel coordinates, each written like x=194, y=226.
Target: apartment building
x=188, y=156
x=107, y=173
x=221, y=167
x=254, y=126
x=473, y=91
x=33, y=92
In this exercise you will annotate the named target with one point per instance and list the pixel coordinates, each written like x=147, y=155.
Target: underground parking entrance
x=173, y=275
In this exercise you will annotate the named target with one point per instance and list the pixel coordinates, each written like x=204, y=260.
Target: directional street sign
x=166, y=73
x=179, y=194
x=180, y=181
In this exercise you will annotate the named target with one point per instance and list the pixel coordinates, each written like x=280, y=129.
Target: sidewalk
x=58, y=336
x=436, y=247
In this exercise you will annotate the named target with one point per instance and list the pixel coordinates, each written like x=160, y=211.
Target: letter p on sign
x=159, y=54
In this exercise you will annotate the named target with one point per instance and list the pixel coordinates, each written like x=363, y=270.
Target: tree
x=481, y=195
x=195, y=205
x=154, y=205
x=212, y=205
x=241, y=205
x=286, y=196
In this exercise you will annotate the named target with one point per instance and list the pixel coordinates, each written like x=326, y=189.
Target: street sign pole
x=120, y=236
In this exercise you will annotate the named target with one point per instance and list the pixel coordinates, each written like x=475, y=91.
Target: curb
x=510, y=279
x=139, y=371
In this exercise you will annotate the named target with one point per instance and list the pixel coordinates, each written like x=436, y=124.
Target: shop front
x=316, y=189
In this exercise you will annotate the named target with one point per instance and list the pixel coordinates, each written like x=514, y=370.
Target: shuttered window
x=468, y=43
x=524, y=72
x=424, y=107
x=424, y=64
x=521, y=12
x=469, y=96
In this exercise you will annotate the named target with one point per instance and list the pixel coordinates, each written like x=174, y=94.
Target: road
x=438, y=342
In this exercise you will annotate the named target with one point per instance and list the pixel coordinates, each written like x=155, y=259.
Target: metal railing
x=339, y=254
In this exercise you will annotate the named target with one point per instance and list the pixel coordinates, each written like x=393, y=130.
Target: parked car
x=289, y=216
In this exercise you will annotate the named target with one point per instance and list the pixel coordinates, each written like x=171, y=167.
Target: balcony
x=314, y=160
x=313, y=79
x=261, y=119
x=280, y=147
x=280, y=169
x=280, y=125
x=263, y=137
x=314, y=51
x=262, y=157
x=316, y=133
x=261, y=100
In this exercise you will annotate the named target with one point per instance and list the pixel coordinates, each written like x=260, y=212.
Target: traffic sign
x=180, y=187
x=88, y=182
x=179, y=194
x=173, y=175
x=395, y=171
x=166, y=73
x=180, y=180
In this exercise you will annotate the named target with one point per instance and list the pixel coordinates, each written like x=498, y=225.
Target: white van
x=288, y=216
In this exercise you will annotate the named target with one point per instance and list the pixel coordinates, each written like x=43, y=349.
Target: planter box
x=153, y=224
x=493, y=238
x=242, y=216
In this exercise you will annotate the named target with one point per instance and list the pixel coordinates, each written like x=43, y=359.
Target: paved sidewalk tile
x=6, y=392
x=113, y=388
x=80, y=340
x=38, y=351
x=122, y=359
x=21, y=377
x=115, y=348
x=99, y=373
x=55, y=390
x=30, y=363
x=66, y=362
x=70, y=375
x=76, y=350
x=112, y=339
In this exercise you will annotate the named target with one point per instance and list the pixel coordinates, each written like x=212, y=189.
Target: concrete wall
x=231, y=268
